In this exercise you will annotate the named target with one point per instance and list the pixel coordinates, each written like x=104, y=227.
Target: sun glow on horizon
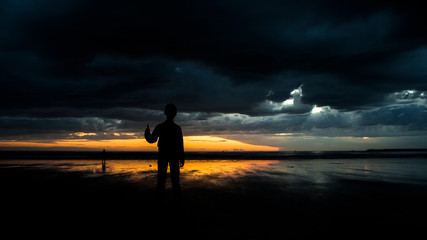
x=191, y=143
x=212, y=143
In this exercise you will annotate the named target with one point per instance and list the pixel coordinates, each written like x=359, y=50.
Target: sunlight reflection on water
x=221, y=172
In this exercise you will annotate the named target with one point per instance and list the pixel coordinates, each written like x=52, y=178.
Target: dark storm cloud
x=122, y=61
x=33, y=128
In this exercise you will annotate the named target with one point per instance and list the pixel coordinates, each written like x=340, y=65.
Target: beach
x=221, y=199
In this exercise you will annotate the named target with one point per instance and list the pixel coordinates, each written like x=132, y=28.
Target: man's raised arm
x=151, y=138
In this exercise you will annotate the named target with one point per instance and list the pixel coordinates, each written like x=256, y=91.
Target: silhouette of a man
x=171, y=151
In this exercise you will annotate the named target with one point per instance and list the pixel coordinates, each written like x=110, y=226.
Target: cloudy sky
x=249, y=75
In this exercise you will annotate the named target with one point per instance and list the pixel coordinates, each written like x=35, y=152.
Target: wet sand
x=221, y=200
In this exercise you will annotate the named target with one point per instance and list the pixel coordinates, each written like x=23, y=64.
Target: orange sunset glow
x=191, y=143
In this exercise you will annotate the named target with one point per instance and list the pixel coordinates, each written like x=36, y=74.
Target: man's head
x=170, y=111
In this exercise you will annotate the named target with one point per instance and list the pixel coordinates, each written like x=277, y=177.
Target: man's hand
x=181, y=162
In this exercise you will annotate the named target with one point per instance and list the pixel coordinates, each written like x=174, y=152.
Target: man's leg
x=162, y=167
x=176, y=187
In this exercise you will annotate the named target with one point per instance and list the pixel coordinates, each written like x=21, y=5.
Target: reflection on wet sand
x=227, y=167
x=221, y=172
x=194, y=169
x=212, y=171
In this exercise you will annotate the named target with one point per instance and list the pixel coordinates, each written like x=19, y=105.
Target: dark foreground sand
x=55, y=204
